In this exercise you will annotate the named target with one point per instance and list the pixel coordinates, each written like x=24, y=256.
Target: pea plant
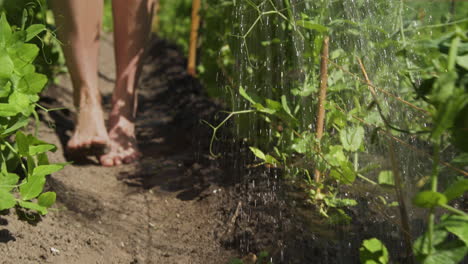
x=24, y=164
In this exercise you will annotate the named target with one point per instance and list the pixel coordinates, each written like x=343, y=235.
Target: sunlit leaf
x=5, y=30
x=457, y=225
x=462, y=61
x=386, y=178
x=311, y=25
x=456, y=189
x=7, y=200
x=8, y=181
x=33, y=206
x=22, y=142
x=46, y=199
x=32, y=187
x=244, y=94
x=6, y=65
x=373, y=251
x=429, y=199
x=351, y=138
x=34, y=30
x=258, y=153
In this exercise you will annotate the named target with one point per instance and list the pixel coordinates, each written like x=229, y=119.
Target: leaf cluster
x=23, y=157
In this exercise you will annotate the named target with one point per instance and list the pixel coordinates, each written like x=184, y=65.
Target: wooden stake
x=191, y=67
x=322, y=99
x=155, y=24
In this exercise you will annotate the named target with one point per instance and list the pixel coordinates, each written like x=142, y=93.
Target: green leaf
x=311, y=25
x=429, y=199
x=421, y=245
x=258, y=153
x=23, y=55
x=20, y=123
x=446, y=114
x=5, y=30
x=21, y=101
x=344, y=172
x=456, y=189
x=386, y=178
x=31, y=163
x=34, y=150
x=8, y=110
x=32, y=83
x=443, y=87
x=44, y=170
x=284, y=102
x=352, y=138
x=272, y=104
x=42, y=159
x=6, y=65
x=7, y=200
x=5, y=88
x=32, y=187
x=451, y=252
x=335, y=156
x=236, y=261
x=47, y=199
x=461, y=159
x=462, y=61
x=33, y=206
x=303, y=144
x=8, y=181
x=457, y=225
x=271, y=160
x=339, y=202
x=34, y=30
x=244, y=94
x=22, y=143
x=373, y=251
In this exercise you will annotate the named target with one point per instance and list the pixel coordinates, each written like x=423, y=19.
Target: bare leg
x=132, y=24
x=79, y=23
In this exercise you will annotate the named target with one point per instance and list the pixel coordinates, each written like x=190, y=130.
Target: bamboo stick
x=191, y=67
x=322, y=99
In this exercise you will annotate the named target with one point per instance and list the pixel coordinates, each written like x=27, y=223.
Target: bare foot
x=122, y=145
x=90, y=132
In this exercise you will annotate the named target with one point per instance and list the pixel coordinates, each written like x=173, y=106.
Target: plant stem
x=434, y=175
x=453, y=210
x=356, y=161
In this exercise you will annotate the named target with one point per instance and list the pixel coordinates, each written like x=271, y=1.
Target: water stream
x=276, y=48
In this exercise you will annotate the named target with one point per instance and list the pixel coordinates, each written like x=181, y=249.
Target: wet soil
x=166, y=208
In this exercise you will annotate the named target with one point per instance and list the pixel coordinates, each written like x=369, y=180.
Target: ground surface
x=163, y=209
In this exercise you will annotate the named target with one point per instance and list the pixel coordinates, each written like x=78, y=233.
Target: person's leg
x=132, y=25
x=78, y=25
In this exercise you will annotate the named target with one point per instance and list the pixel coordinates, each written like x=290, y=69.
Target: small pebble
x=54, y=251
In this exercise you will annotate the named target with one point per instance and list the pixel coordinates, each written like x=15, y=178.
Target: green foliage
x=439, y=248
x=373, y=251
x=34, y=17
x=20, y=85
x=262, y=258
x=173, y=20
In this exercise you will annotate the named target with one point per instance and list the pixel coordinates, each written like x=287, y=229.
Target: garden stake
x=396, y=173
x=322, y=98
x=193, y=37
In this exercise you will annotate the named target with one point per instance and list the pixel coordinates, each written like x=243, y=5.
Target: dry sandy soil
x=164, y=209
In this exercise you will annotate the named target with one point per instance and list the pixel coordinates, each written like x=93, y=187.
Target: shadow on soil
x=170, y=135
